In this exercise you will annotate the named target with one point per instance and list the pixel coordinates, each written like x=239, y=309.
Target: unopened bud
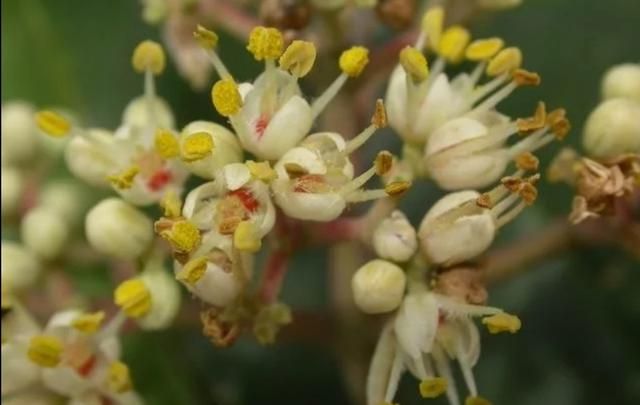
x=12, y=184
x=20, y=138
x=117, y=229
x=378, y=287
x=395, y=239
x=44, y=232
x=165, y=298
x=20, y=267
x=622, y=81
x=613, y=129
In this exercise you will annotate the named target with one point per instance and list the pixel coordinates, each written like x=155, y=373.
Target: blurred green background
x=580, y=343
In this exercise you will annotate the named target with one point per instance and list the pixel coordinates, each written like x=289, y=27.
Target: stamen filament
x=477, y=72
x=467, y=373
x=359, y=196
x=526, y=145
x=444, y=369
x=358, y=182
x=497, y=97
x=511, y=215
x=150, y=95
x=503, y=205
x=218, y=65
x=321, y=102
x=485, y=89
x=436, y=69
x=359, y=140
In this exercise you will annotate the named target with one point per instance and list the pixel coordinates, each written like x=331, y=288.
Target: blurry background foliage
x=580, y=343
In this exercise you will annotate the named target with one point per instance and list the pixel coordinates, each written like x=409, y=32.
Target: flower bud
x=165, y=298
x=65, y=198
x=613, y=128
x=20, y=139
x=451, y=233
x=378, y=287
x=116, y=228
x=395, y=239
x=88, y=161
x=136, y=114
x=224, y=149
x=622, y=81
x=20, y=267
x=12, y=184
x=44, y=232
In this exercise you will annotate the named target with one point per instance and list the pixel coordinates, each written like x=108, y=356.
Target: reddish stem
x=273, y=276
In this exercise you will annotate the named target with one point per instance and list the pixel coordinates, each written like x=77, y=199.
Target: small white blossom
x=613, y=129
x=395, y=238
x=378, y=286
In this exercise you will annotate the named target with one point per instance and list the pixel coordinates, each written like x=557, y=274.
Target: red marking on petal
x=261, y=125
x=85, y=368
x=159, y=179
x=247, y=199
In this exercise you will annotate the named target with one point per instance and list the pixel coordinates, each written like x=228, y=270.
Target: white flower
x=67, y=199
x=613, y=129
x=44, y=232
x=20, y=267
x=378, y=286
x=117, y=229
x=463, y=224
x=428, y=331
x=206, y=147
x=622, y=81
x=395, y=238
x=470, y=151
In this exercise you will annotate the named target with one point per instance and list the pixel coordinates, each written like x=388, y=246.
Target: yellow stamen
x=453, y=43
x=148, y=55
x=133, y=297
x=89, y=322
x=261, y=170
x=265, y=43
x=124, y=180
x=353, y=61
x=45, y=350
x=298, y=58
x=53, y=124
x=206, y=38
x=171, y=204
x=414, y=63
x=397, y=188
x=166, y=144
x=379, y=119
x=502, y=322
x=226, y=97
x=433, y=387
x=507, y=60
x=192, y=271
x=197, y=146
x=383, y=163
x=476, y=401
x=432, y=24
x=483, y=49
x=183, y=236
x=119, y=377
x=245, y=237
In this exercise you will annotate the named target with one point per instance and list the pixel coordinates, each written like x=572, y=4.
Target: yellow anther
x=507, y=60
x=453, y=43
x=119, y=377
x=298, y=58
x=414, y=63
x=265, y=43
x=192, y=271
x=197, y=146
x=166, y=144
x=483, y=49
x=432, y=24
x=183, y=236
x=528, y=192
x=171, y=204
x=245, y=237
x=261, y=170
x=148, y=55
x=89, y=322
x=525, y=78
x=133, y=297
x=226, y=97
x=383, y=162
x=53, y=124
x=476, y=401
x=353, y=61
x=124, y=180
x=484, y=201
x=206, y=38
x=527, y=161
x=558, y=122
x=379, y=119
x=397, y=188
x=433, y=387
x=502, y=322
x=45, y=350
